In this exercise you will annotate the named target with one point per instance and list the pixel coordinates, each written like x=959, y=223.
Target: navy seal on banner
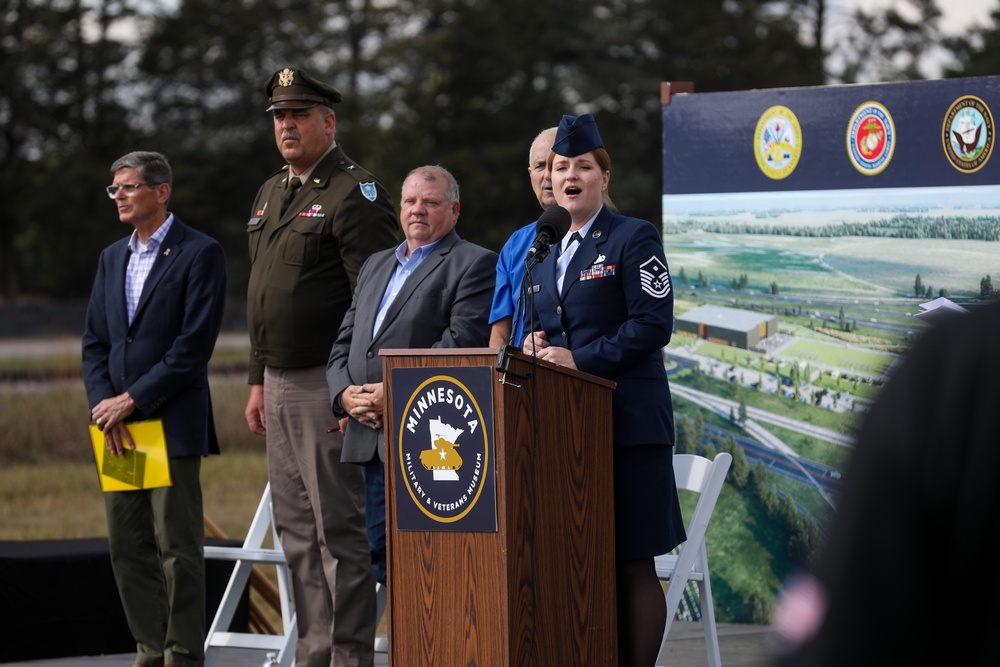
x=445, y=468
x=968, y=134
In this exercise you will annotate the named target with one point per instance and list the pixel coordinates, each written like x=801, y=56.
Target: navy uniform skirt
x=648, y=519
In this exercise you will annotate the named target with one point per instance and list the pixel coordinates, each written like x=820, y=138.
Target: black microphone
x=552, y=225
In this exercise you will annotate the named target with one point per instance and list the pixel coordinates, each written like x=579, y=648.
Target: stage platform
x=741, y=646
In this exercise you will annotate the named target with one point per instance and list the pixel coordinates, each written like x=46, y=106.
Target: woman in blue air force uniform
x=605, y=306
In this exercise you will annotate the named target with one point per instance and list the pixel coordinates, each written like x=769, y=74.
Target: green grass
x=835, y=456
x=62, y=500
x=50, y=501
x=49, y=424
x=841, y=422
x=851, y=267
x=746, y=554
x=853, y=360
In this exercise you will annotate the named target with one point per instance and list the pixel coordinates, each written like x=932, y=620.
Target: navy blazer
x=616, y=314
x=161, y=360
x=443, y=303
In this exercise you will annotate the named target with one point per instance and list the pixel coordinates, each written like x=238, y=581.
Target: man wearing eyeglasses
x=154, y=316
x=311, y=227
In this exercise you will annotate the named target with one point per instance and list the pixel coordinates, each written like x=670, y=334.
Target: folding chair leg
x=381, y=600
x=280, y=649
x=708, y=617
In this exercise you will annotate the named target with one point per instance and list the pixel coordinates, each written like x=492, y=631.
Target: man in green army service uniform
x=312, y=226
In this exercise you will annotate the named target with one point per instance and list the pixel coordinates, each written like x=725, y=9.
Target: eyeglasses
x=129, y=188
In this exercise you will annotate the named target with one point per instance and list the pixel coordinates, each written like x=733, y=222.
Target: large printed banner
x=859, y=138
x=812, y=234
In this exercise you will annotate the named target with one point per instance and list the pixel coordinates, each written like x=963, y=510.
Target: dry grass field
x=48, y=482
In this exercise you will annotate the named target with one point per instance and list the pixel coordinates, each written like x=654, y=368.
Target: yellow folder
x=145, y=468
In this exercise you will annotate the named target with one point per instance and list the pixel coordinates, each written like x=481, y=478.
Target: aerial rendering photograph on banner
x=814, y=235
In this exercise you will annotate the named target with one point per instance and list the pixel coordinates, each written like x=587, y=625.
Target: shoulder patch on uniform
x=368, y=190
x=654, y=277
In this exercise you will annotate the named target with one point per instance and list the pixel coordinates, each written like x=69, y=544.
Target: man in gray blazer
x=434, y=290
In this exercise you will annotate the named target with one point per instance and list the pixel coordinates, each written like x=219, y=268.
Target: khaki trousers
x=319, y=513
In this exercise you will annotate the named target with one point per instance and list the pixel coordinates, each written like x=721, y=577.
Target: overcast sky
x=957, y=14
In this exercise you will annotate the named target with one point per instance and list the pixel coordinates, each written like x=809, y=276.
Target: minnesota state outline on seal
x=967, y=134
x=778, y=142
x=871, y=138
x=443, y=449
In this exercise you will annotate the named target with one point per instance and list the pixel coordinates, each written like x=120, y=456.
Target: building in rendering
x=727, y=326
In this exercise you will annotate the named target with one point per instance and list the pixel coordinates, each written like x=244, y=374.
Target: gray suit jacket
x=444, y=303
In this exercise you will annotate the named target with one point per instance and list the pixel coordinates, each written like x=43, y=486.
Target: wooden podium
x=540, y=588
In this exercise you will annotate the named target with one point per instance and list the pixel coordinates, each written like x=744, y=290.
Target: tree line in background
x=462, y=83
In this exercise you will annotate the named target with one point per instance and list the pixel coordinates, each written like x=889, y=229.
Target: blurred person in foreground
x=605, y=307
x=510, y=264
x=313, y=225
x=918, y=518
x=152, y=323
x=430, y=291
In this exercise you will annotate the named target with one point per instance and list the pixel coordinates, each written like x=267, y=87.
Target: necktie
x=563, y=260
x=289, y=193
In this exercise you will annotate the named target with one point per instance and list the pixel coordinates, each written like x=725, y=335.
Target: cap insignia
x=285, y=77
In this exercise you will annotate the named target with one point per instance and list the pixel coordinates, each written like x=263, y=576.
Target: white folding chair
x=705, y=477
x=280, y=648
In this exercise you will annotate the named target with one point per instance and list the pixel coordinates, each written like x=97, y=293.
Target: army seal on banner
x=778, y=142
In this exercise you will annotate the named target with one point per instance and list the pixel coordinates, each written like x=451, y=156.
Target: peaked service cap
x=291, y=88
x=577, y=135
